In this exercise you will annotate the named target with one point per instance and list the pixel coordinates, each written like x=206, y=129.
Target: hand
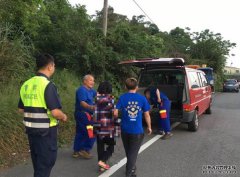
x=149, y=131
x=64, y=118
x=92, y=107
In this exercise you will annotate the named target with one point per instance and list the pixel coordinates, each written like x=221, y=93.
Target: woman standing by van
x=106, y=127
x=161, y=101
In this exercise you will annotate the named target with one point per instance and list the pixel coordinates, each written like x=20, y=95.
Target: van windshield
x=161, y=77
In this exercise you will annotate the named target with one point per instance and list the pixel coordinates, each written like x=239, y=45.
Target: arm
x=115, y=113
x=58, y=114
x=20, y=110
x=20, y=106
x=53, y=102
x=118, y=107
x=148, y=121
x=158, y=96
x=87, y=106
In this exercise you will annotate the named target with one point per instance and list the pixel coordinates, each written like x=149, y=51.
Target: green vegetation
x=12, y=136
x=76, y=41
x=13, y=140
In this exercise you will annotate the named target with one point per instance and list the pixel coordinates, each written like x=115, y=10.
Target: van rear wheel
x=209, y=111
x=193, y=125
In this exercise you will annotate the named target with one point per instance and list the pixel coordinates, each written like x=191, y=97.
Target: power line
x=143, y=11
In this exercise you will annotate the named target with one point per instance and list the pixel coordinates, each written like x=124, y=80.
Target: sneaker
x=134, y=170
x=101, y=169
x=85, y=155
x=159, y=132
x=131, y=175
x=75, y=154
x=88, y=153
x=167, y=136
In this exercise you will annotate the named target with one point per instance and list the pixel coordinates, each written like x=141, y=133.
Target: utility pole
x=105, y=15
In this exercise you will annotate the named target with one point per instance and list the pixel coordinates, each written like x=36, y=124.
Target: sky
x=219, y=16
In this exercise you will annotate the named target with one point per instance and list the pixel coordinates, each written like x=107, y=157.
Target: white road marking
x=122, y=162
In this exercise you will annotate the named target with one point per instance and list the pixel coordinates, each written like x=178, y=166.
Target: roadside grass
x=13, y=140
x=12, y=137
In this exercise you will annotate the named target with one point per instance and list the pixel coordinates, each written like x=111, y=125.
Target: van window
x=161, y=77
x=194, y=81
x=151, y=78
x=180, y=78
x=203, y=80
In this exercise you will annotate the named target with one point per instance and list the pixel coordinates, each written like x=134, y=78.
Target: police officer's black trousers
x=43, y=152
x=132, y=144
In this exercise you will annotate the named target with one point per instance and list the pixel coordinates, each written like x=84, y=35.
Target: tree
x=177, y=43
x=26, y=16
x=211, y=48
x=71, y=37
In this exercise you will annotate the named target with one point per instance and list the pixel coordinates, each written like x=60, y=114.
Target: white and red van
x=187, y=88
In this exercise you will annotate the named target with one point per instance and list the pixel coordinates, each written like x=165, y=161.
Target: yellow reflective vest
x=36, y=113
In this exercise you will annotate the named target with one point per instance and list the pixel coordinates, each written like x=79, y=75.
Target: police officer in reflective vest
x=40, y=104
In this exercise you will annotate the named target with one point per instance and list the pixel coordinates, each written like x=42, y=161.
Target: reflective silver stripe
x=35, y=115
x=36, y=125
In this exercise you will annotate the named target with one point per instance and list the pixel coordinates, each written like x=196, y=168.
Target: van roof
x=154, y=61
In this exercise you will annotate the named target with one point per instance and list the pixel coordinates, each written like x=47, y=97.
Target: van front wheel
x=193, y=125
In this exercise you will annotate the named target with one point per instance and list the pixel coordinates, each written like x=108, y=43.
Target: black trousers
x=43, y=152
x=132, y=144
x=105, y=148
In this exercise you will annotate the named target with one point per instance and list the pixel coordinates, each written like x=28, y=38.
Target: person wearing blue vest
x=161, y=101
x=84, y=109
x=132, y=106
x=41, y=106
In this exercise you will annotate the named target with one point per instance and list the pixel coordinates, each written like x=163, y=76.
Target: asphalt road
x=205, y=153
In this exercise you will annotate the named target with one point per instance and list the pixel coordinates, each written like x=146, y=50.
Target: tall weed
x=16, y=61
x=13, y=140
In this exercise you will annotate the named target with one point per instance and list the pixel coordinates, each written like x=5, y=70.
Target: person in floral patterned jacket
x=106, y=127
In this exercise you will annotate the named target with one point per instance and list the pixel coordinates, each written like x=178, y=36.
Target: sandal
x=103, y=165
x=101, y=169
